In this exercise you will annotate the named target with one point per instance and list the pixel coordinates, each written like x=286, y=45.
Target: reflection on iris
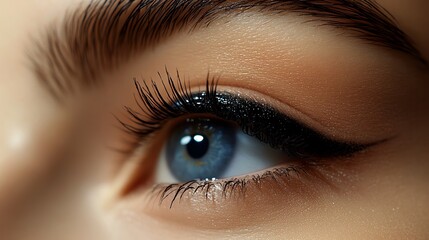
x=200, y=149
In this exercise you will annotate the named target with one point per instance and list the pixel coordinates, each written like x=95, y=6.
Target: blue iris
x=200, y=149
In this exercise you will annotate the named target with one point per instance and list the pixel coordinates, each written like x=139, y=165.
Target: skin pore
x=59, y=178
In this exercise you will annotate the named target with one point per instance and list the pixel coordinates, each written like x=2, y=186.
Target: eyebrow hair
x=103, y=35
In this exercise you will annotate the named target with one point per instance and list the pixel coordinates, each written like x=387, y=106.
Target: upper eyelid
x=103, y=34
x=160, y=102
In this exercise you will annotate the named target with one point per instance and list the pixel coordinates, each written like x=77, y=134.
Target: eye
x=203, y=148
x=200, y=149
x=241, y=141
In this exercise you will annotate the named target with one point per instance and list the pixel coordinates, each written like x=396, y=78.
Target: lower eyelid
x=299, y=189
x=217, y=190
x=283, y=177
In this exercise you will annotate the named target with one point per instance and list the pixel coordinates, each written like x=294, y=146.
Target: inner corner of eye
x=209, y=148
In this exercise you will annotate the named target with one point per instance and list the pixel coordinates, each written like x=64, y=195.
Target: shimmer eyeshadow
x=257, y=119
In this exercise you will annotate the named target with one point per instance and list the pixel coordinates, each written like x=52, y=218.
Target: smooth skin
x=59, y=181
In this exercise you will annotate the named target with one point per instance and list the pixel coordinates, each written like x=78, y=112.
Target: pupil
x=197, y=146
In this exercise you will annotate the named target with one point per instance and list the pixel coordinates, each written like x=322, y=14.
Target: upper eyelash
x=156, y=109
x=263, y=122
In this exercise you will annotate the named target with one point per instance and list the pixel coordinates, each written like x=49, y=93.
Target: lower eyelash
x=229, y=187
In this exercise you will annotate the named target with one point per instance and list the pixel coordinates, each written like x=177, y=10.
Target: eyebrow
x=102, y=35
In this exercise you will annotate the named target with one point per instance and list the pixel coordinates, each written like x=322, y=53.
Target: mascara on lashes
x=256, y=119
